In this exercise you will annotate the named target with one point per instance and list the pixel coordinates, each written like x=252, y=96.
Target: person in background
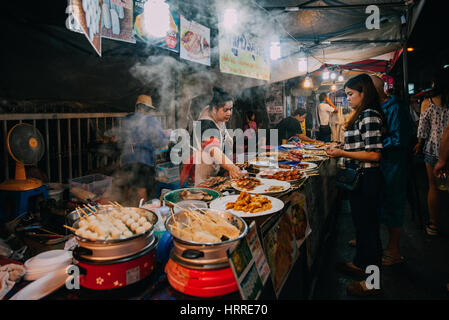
x=140, y=136
x=291, y=127
x=432, y=123
x=363, y=151
x=395, y=152
x=249, y=128
x=324, y=109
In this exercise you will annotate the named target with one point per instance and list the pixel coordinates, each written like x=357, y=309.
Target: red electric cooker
x=113, y=264
x=202, y=269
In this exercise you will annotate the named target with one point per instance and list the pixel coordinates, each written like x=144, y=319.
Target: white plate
x=288, y=146
x=220, y=204
x=43, y=286
x=312, y=147
x=269, y=162
x=321, y=158
x=266, y=183
x=273, y=172
x=311, y=166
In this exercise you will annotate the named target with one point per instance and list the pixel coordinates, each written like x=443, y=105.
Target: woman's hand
x=235, y=173
x=334, y=152
x=439, y=168
x=418, y=148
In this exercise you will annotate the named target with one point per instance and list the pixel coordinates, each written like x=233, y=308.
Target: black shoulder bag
x=348, y=178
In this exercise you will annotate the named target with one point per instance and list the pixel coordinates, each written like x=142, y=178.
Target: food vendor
x=213, y=143
x=291, y=127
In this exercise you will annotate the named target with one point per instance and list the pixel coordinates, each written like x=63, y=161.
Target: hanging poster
x=88, y=15
x=297, y=210
x=195, y=42
x=244, y=55
x=117, y=20
x=249, y=265
x=170, y=41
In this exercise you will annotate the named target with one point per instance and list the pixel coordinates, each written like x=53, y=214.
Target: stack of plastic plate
x=47, y=262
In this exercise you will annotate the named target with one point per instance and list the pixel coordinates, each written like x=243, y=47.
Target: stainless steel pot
x=103, y=250
x=198, y=255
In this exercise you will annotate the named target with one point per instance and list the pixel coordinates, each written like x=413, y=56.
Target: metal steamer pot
x=115, y=249
x=203, y=256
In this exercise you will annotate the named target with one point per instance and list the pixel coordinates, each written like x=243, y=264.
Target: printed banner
x=169, y=42
x=249, y=265
x=281, y=251
x=244, y=55
x=117, y=20
x=88, y=15
x=195, y=42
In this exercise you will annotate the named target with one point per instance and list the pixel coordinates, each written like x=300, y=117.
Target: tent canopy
x=43, y=61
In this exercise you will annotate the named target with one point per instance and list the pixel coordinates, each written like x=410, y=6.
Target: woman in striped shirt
x=362, y=149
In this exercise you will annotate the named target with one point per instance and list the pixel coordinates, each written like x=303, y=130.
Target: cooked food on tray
x=247, y=203
x=294, y=156
x=275, y=188
x=117, y=223
x=316, y=152
x=204, y=226
x=313, y=158
x=217, y=183
x=287, y=175
x=195, y=195
x=284, y=166
x=302, y=165
x=247, y=183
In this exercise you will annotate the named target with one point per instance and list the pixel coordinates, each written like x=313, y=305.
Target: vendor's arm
x=225, y=163
x=302, y=136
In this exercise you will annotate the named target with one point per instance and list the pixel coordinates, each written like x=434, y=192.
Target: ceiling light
x=333, y=75
x=410, y=49
x=157, y=18
x=325, y=74
x=340, y=77
x=308, y=82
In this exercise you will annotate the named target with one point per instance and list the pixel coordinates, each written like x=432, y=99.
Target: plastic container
x=46, y=262
x=95, y=183
x=167, y=172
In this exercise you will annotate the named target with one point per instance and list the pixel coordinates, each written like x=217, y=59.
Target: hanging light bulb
x=333, y=75
x=302, y=64
x=157, y=18
x=275, y=50
x=340, y=77
x=325, y=74
x=308, y=82
x=229, y=18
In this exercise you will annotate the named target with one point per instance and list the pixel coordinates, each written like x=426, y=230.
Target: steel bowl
x=204, y=255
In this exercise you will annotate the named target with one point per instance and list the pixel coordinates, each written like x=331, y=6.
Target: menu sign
x=244, y=55
x=195, y=42
x=249, y=265
x=88, y=15
x=170, y=41
x=117, y=22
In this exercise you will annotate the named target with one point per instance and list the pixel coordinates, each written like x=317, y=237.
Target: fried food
x=195, y=195
x=252, y=204
x=247, y=183
x=288, y=175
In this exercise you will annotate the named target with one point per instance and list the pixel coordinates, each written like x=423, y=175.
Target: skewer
x=79, y=216
x=93, y=212
x=83, y=212
x=70, y=228
x=118, y=204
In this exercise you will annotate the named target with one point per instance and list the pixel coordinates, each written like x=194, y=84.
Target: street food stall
x=256, y=237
